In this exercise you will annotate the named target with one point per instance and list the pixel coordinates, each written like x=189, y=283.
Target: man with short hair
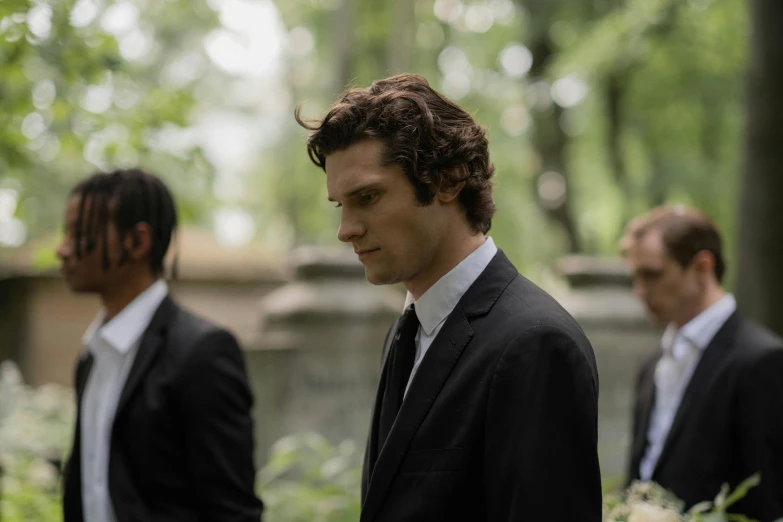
x=487, y=405
x=709, y=400
x=163, y=429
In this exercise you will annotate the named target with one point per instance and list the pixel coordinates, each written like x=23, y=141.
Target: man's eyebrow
x=358, y=190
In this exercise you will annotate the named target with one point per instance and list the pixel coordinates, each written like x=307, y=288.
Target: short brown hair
x=424, y=133
x=685, y=232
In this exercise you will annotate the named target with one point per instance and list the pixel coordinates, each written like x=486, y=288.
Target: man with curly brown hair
x=487, y=405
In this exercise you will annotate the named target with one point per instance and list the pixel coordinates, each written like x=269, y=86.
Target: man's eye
x=368, y=198
x=651, y=275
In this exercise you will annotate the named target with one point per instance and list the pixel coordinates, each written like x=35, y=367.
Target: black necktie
x=402, y=355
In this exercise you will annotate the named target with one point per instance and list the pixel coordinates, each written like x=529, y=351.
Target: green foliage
x=678, y=66
x=71, y=103
x=29, y=490
x=36, y=427
x=35, y=421
x=309, y=480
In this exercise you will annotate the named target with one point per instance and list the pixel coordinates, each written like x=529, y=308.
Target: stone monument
x=315, y=364
x=600, y=298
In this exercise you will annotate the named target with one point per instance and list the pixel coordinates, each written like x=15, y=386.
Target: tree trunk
x=614, y=91
x=551, y=143
x=760, y=278
x=400, y=40
x=657, y=184
x=345, y=40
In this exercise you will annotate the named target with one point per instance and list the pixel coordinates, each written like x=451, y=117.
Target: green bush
x=36, y=427
x=309, y=480
x=29, y=490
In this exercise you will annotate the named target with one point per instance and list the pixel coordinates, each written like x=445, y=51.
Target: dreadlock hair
x=130, y=197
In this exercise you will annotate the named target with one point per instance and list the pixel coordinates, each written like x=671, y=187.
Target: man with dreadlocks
x=163, y=429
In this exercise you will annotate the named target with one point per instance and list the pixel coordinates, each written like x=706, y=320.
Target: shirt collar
x=439, y=300
x=127, y=327
x=700, y=330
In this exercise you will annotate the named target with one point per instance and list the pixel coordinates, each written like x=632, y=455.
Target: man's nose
x=639, y=289
x=64, y=249
x=350, y=226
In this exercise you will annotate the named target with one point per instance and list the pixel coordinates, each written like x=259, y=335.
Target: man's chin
x=656, y=319
x=377, y=278
x=77, y=288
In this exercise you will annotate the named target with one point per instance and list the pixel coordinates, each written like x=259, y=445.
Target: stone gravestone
x=315, y=364
x=600, y=298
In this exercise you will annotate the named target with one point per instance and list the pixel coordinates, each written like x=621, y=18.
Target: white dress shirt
x=435, y=305
x=682, y=350
x=113, y=346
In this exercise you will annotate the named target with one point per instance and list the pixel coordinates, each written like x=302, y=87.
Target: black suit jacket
x=729, y=424
x=500, y=420
x=182, y=440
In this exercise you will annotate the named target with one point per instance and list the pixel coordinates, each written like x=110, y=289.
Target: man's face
x=668, y=290
x=87, y=274
x=396, y=239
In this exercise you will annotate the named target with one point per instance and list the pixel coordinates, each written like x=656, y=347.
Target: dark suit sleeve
x=541, y=457
x=219, y=430
x=761, y=435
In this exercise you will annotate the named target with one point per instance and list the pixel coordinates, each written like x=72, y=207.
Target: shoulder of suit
x=527, y=305
x=188, y=329
x=525, y=314
x=755, y=341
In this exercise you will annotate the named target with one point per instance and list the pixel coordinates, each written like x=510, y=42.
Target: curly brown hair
x=425, y=133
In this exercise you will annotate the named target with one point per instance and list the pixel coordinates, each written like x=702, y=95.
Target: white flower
x=642, y=512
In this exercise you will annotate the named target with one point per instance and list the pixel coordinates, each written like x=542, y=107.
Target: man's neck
x=116, y=299
x=450, y=255
x=712, y=296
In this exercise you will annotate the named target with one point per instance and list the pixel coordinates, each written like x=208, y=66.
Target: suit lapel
x=372, y=450
x=83, y=368
x=646, y=404
x=432, y=374
x=149, y=347
x=388, y=342
x=434, y=370
x=698, y=385
x=72, y=489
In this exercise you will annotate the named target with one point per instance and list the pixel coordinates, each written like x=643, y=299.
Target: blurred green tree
x=87, y=85
x=595, y=110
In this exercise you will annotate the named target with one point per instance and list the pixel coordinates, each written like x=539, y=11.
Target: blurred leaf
x=742, y=490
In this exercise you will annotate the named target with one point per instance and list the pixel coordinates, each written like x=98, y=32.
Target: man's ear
x=704, y=262
x=138, y=243
x=450, y=193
